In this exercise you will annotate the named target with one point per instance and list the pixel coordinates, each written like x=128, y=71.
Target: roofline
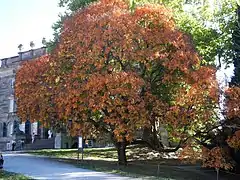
x=22, y=53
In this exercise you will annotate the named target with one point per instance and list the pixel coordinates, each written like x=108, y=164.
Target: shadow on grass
x=144, y=170
x=142, y=163
x=4, y=175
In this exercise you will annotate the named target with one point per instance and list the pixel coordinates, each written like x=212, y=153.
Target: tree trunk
x=121, y=149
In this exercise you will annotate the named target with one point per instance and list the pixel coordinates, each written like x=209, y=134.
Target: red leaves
x=233, y=102
x=216, y=157
x=233, y=115
x=30, y=88
x=191, y=153
x=234, y=141
x=118, y=95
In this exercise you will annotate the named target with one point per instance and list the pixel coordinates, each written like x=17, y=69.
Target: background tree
x=226, y=140
x=236, y=49
x=233, y=95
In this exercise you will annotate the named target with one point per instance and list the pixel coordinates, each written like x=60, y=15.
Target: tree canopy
x=120, y=71
x=123, y=67
x=210, y=24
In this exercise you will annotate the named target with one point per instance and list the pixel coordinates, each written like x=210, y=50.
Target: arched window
x=4, y=129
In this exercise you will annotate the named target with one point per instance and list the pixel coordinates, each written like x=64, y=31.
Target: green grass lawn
x=142, y=162
x=107, y=153
x=134, y=153
x=4, y=175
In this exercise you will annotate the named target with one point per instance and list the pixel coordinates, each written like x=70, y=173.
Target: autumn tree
x=121, y=68
x=226, y=140
x=120, y=71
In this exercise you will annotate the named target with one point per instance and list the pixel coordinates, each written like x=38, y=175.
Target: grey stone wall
x=5, y=93
x=8, y=70
x=15, y=61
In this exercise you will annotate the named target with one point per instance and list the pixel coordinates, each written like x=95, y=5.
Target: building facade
x=12, y=131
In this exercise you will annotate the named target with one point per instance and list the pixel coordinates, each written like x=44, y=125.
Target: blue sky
x=22, y=21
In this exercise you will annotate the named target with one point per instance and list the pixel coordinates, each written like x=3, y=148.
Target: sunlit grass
x=4, y=175
x=110, y=153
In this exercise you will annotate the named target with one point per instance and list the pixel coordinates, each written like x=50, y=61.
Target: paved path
x=47, y=169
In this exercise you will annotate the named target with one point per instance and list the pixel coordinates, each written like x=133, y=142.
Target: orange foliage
x=110, y=47
x=119, y=71
x=234, y=141
x=233, y=115
x=31, y=90
x=216, y=158
x=191, y=153
x=233, y=102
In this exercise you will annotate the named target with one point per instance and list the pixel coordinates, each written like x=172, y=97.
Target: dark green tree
x=236, y=51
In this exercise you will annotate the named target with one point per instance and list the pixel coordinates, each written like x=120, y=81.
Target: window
x=11, y=105
x=12, y=83
x=15, y=126
x=28, y=127
x=14, y=106
x=4, y=129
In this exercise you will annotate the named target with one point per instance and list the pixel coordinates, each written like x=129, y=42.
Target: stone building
x=11, y=130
